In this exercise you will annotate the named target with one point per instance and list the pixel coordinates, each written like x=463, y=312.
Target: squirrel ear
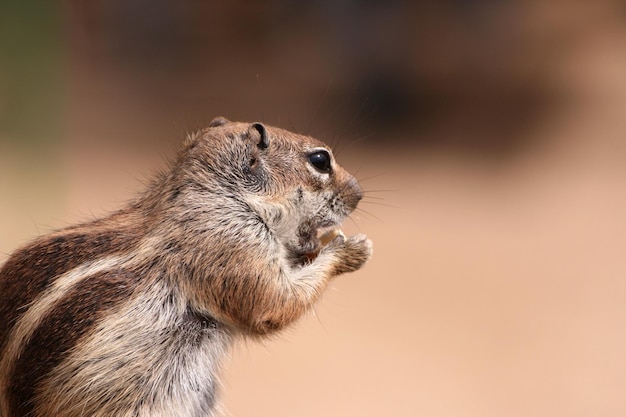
x=218, y=121
x=258, y=134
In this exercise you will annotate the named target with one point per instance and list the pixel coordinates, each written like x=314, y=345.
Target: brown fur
x=70, y=320
x=223, y=244
x=49, y=256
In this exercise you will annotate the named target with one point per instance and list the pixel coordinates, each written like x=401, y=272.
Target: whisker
x=319, y=320
x=373, y=197
x=360, y=113
x=371, y=177
x=334, y=142
x=390, y=190
x=355, y=223
x=376, y=203
x=353, y=142
x=362, y=138
x=360, y=210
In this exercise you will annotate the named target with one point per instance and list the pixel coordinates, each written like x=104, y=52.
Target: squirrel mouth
x=313, y=240
x=328, y=234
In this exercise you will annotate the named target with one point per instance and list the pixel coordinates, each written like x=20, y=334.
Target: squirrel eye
x=320, y=160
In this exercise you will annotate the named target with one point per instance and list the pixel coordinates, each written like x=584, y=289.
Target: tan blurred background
x=489, y=136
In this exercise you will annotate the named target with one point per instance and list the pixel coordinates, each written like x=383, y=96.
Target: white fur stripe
x=177, y=367
x=38, y=310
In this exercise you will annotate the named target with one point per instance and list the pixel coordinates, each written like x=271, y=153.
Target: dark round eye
x=320, y=160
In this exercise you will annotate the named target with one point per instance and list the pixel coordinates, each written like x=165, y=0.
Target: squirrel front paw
x=351, y=253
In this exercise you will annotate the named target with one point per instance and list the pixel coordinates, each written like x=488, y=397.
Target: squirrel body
x=131, y=314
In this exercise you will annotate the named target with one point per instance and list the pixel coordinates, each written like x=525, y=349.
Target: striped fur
x=130, y=315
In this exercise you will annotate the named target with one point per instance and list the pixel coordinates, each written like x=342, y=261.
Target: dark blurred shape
x=472, y=75
x=31, y=65
x=466, y=74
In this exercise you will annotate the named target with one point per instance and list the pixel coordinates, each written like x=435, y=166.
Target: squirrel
x=131, y=314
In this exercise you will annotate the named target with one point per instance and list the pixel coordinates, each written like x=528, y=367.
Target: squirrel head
x=292, y=182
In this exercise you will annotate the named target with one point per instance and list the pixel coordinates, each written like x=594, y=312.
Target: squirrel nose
x=353, y=193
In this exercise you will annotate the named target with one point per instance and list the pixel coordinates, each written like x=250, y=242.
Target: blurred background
x=489, y=137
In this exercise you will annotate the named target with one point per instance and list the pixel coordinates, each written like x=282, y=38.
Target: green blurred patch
x=31, y=72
